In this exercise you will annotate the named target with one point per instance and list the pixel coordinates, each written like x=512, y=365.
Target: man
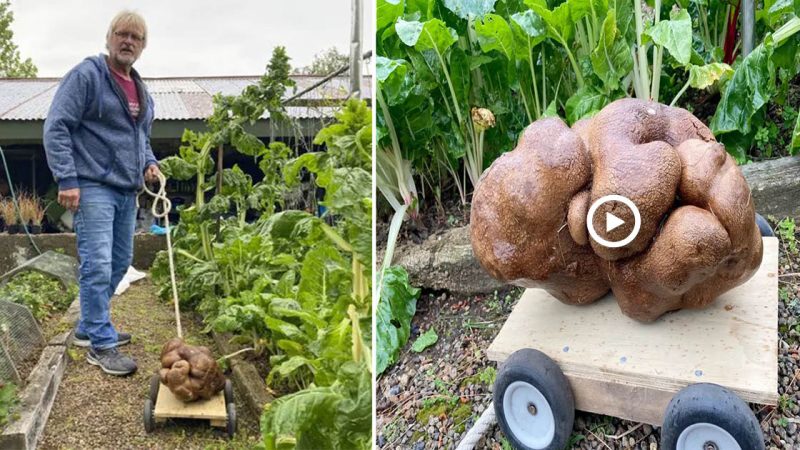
x=97, y=140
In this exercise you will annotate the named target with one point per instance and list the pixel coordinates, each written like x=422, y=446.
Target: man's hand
x=151, y=173
x=69, y=198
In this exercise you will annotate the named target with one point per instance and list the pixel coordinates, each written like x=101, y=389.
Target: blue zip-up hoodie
x=90, y=134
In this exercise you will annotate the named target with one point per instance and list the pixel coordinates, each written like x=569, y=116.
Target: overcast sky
x=188, y=37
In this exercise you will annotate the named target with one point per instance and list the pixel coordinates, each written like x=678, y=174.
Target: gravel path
x=98, y=411
x=429, y=400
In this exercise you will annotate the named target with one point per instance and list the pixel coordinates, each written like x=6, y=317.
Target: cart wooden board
x=168, y=406
x=619, y=367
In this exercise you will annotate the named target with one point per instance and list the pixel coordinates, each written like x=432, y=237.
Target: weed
x=786, y=230
x=785, y=403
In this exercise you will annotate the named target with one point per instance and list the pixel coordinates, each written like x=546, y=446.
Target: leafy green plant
x=396, y=306
x=425, y=340
x=43, y=294
x=8, y=400
x=786, y=231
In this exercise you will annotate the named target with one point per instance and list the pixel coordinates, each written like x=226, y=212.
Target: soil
x=429, y=400
x=94, y=410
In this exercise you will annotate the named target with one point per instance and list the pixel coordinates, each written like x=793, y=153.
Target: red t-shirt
x=129, y=88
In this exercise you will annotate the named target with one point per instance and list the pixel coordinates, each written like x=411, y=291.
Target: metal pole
x=748, y=25
x=355, y=50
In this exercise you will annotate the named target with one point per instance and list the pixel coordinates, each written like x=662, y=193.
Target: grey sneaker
x=82, y=340
x=111, y=361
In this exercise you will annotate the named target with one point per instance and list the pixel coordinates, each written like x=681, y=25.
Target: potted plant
x=26, y=210
x=36, y=214
x=9, y=214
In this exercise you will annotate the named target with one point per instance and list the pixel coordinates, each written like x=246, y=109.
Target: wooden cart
x=162, y=404
x=616, y=366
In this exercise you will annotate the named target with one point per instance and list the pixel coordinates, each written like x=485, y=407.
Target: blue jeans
x=104, y=224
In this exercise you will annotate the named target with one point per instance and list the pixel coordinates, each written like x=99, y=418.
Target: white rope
x=160, y=197
x=477, y=431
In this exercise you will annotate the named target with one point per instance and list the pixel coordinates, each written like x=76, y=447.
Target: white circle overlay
x=637, y=220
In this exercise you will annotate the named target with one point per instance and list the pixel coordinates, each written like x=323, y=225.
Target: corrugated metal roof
x=176, y=98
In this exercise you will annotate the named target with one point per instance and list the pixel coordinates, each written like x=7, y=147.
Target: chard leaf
x=701, y=77
x=611, y=59
x=470, y=9
x=388, y=12
x=625, y=18
x=675, y=35
x=495, y=34
x=551, y=111
x=425, y=340
x=750, y=88
x=779, y=10
x=176, y=168
x=559, y=21
x=587, y=102
x=288, y=367
x=579, y=9
x=529, y=30
x=429, y=35
x=795, y=146
x=392, y=74
x=323, y=272
x=396, y=307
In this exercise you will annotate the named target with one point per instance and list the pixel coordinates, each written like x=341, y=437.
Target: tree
x=11, y=64
x=326, y=62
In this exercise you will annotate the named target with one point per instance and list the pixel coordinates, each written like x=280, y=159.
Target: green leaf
x=324, y=270
x=559, y=21
x=495, y=34
x=336, y=417
x=425, y=340
x=529, y=30
x=287, y=368
x=552, y=110
x=750, y=88
x=611, y=59
x=388, y=12
x=779, y=10
x=701, y=77
x=176, y=168
x=625, y=18
x=392, y=75
x=579, y=9
x=429, y=35
x=675, y=35
x=585, y=103
x=470, y=9
x=396, y=307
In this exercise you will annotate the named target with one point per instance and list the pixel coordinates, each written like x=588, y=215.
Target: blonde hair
x=127, y=18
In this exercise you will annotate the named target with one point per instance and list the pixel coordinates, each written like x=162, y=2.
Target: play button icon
x=613, y=222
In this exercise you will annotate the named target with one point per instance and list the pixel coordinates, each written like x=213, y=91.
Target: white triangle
x=612, y=222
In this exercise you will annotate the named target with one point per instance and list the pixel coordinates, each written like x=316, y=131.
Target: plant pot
x=14, y=228
x=35, y=229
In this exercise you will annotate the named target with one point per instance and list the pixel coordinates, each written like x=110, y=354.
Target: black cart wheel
x=763, y=226
x=228, y=392
x=155, y=384
x=149, y=420
x=709, y=417
x=533, y=402
x=231, y=420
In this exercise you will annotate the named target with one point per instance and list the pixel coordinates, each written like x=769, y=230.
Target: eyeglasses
x=125, y=35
